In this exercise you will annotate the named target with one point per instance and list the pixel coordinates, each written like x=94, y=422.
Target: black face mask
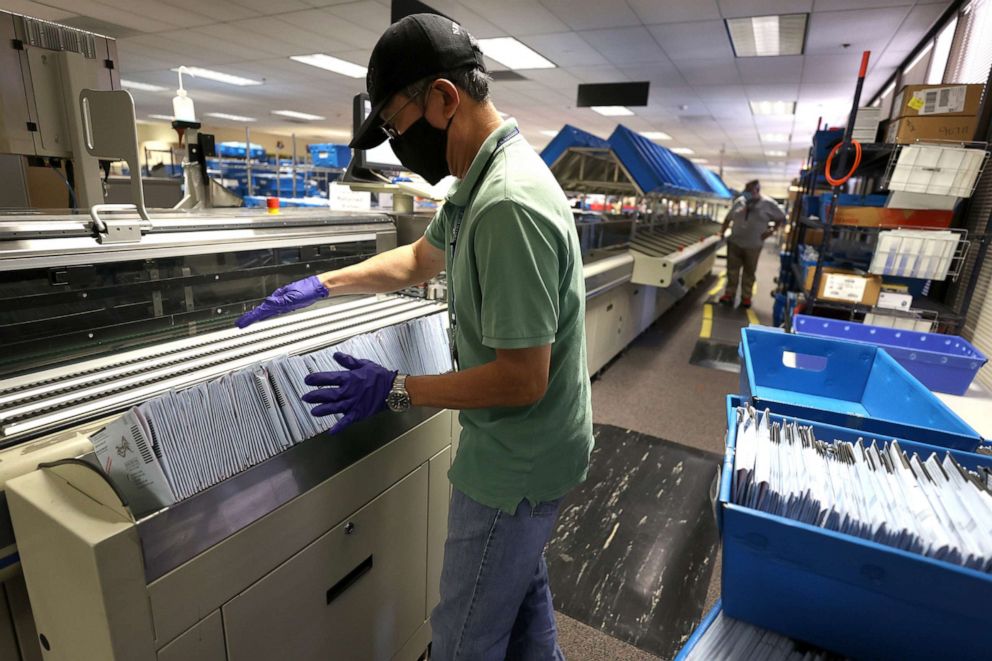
x=424, y=149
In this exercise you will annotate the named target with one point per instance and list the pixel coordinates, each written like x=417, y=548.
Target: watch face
x=398, y=401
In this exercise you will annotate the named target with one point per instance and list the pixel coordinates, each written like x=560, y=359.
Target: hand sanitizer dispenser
x=182, y=105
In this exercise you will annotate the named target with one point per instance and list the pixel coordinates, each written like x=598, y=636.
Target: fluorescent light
x=514, y=54
x=612, y=111
x=143, y=87
x=682, y=150
x=775, y=152
x=699, y=160
x=233, y=118
x=764, y=36
x=334, y=64
x=549, y=133
x=774, y=137
x=298, y=115
x=219, y=76
x=167, y=118
x=773, y=107
x=656, y=135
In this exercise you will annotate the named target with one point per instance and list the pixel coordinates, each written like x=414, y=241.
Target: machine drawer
x=357, y=592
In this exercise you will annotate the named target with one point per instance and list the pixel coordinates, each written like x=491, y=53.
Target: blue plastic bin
x=944, y=363
x=844, y=593
x=698, y=632
x=237, y=150
x=330, y=155
x=848, y=384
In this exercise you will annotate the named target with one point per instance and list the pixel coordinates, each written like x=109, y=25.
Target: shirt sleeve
x=775, y=211
x=435, y=233
x=518, y=254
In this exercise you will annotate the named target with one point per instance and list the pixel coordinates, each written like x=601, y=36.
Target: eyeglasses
x=386, y=127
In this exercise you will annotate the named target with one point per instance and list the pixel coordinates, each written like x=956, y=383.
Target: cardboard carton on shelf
x=888, y=217
x=955, y=128
x=845, y=286
x=937, y=100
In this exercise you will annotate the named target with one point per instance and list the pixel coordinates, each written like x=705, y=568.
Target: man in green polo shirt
x=506, y=237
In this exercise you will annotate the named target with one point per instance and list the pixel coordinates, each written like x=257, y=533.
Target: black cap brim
x=370, y=133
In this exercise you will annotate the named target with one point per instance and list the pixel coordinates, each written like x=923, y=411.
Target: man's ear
x=447, y=97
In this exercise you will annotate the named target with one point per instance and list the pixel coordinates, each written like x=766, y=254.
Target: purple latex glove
x=358, y=392
x=287, y=298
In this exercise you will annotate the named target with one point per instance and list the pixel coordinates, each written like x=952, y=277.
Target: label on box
x=843, y=287
x=940, y=100
x=894, y=301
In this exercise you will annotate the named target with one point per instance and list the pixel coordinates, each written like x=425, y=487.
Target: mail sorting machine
x=329, y=549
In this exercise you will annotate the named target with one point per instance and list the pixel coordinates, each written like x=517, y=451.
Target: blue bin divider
x=847, y=594
x=699, y=631
x=849, y=384
x=945, y=363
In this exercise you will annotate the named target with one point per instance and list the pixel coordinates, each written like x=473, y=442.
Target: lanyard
x=456, y=228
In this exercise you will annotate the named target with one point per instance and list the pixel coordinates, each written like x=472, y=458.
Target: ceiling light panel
x=143, y=87
x=773, y=107
x=233, y=118
x=219, y=76
x=682, y=150
x=775, y=152
x=612, y=111
x=167, y=118
x=292, y=114
x=699, y=160
x=514, y=54
x=656, y=135
x=774, y=137
x=550, y=134
x=766, y=36
x=329, y=63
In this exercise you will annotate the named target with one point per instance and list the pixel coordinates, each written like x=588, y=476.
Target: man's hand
x=358, y=392
x=290, y=297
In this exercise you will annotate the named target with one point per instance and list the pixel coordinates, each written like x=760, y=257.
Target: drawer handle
x=350, y=579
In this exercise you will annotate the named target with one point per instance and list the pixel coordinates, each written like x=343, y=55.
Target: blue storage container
x=699, y=631
x=849, y=384
x=328, y=155
x=847, y=594
x=944, y=363
x=237, y=150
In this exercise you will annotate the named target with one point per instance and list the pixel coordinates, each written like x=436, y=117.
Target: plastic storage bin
x=699, y=631
x=945, y=363
x=330, y=155
x=844, y=593
x=849, y=384
x=237, y=150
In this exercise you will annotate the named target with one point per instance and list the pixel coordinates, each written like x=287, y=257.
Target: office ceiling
x=699, y=90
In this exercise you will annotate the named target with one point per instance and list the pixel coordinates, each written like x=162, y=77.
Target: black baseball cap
x=415, y=47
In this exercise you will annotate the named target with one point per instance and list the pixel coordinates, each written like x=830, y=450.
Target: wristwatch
x=398, y=399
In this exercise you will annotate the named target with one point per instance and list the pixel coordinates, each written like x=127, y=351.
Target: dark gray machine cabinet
x=356, y=593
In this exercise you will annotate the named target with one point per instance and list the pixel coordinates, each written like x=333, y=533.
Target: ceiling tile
x=863, y=29
x=840, y=68
x=674, y=11
x=592, y=14
x=687, y=41
x=219, y=10
x=662, y=73
x=785, y=69
x=370, y=15
x=709, y=72
x=738, y=8
x=341, y=34
x=921, y=18
x=625, y=45
x=599, y=74
x=566, y=49
x=113, y=15
x=37, y=10
x=267, y=7
x=517, y=17
x=476, y=24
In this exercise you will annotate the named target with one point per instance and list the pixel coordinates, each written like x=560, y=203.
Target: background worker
x=506, y=237
x=752, y=218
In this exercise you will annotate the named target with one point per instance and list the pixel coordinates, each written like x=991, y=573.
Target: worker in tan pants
x=752, y=219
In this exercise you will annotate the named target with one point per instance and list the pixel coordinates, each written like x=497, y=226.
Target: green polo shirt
x=516, y=282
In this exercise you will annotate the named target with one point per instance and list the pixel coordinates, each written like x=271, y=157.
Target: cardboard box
x=894, y=301
x=937, y=100
x=886, y=217
x=845, y=286
x=907, y=130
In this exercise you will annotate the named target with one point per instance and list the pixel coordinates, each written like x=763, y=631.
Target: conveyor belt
x=661, y=243
x=42, y=401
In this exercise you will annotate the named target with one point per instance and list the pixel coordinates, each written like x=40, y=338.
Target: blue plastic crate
x=699, y=631
x=843, y=593
x=944, y=363
x=330, y=155
x=849, y=384
x=237, y=150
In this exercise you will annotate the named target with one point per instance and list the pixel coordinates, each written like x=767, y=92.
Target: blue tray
x=945, y=363
x=704, y=624
x=843, y=593
x=330, y=155
x=848, y=384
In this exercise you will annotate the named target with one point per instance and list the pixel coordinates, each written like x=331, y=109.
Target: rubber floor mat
x=635, y=544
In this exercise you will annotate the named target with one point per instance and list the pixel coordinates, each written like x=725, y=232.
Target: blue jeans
x=495, y=599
